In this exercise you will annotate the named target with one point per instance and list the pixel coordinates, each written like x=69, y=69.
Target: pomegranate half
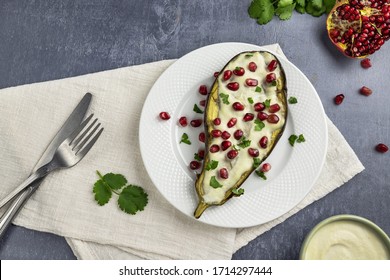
x=359, y=27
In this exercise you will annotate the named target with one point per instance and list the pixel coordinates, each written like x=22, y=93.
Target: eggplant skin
x=212, y=112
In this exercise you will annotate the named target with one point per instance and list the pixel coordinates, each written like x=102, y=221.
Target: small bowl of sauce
x=346, y=237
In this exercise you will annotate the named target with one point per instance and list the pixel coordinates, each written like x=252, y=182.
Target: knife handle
x=14, y=208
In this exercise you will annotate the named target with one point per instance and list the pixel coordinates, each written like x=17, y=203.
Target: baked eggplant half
x=245, y=116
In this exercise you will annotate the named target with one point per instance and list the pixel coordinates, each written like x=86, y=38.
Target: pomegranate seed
x=227, y=74
x=271, y=77
x=216, y=133
x=216, y=74
x=183, y=121
x=203, y=90
x=272, y=65
x=232, y=154
x=202, y=103
x=273, y=118
x=252, y=66
x=251, y=82
x=238, y=134
x=201, y=153
x=366, y=63
x=239, y=71
x=196, y=123
x=238, y=106
x=339, y=99
x=248, y=117
x=225, y=145
x=233, y=86
x=194, y=165
x=274, y=108
x=365, y=91
x=263, y=142
x=223, y=173
x=214, y=148
x=262, y=116
x=259, y=106
x=253, y=152
x=231, y=122
x=164, y=116
x=202, y=137
x=265, y=167
x=382, y=148
x=225, y=135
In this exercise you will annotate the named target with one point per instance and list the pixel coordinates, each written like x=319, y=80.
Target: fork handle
x=15, y=206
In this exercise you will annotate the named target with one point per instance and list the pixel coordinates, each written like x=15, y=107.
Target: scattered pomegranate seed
x=164, y=116
x=216, y=74
x=238, y=106
x=216, y=133
x=217, y=121
x=194, y=165
x=272, y=65
x=272, y=118
x=214, y=148
x=366, y=63
x=203, y=90
x=251, y=82
x=225, y=135
x=183, y=121
x=262, y=116
x=238, y=134
x=253, y=152
x=232, y=154
x=201, y=153
x=265, y=167
x=263, y=142
x=225, y=145
x=233, y=86
x=248, y=117
x=239, y=71
x=259, y=106
x=252, y=66
x=223, y=173
x=271, y=77
x=202, y=103
x=231, y=122
x=274, y=108
x=382, y=148
x=227, y=74
x=339, y=99
x=196, y=123
x=365, y=91
x=202, y=137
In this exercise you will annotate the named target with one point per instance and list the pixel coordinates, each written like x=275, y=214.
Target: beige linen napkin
x=64, y=203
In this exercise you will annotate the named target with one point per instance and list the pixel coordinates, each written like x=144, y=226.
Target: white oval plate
x=294, y=169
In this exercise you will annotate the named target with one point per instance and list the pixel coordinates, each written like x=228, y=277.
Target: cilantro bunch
x=264, y=10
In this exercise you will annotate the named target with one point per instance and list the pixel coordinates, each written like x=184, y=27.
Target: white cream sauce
x=243, y=161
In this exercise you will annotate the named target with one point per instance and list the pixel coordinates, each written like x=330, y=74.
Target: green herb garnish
x=131, y=198
x=273, y=83
x=238, y=192
x=185, y=139
x=244, y=143
x=211, y=165
x=293, y=100
x=259, y=125
x=249, y=55
x=267, y=103
x=197, y=157
x=258, y=89
x=292, y=139
x=301, y=138
x=256, y=162
x=225, y=98
x=261, y=174
x=214, y=183
x=250, y=100
x=197, y=109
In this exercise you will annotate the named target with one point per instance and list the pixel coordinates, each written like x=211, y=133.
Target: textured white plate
x=294, y=169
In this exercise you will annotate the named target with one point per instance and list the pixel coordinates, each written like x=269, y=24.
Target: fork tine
x=87, y=137
x=84, y=150
x=79, y=138
x=79, y=129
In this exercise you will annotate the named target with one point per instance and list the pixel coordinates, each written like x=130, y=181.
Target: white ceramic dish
x=294, y=169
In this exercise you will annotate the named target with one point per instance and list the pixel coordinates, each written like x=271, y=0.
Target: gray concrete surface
x=44, y=40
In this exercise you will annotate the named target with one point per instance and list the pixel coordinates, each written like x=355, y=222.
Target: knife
x=73, y=121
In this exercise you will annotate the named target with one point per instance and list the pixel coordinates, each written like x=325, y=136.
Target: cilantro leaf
x=115, y=181
x=317, y=4
x=244, y=143
x=211, y=165
x=301, y=138
x=300, y=9
x=311, y=10
x=262, y=10
x=225, y=98
x=293, y=100
x=132, y=199
x=255, y=9
x=256, y=162
x=184, y=139
x=197, y=157
x=258, y=89
x=285, y=12
x=259, y=125
x=329, y=4
x=292, y=139
x=267, y=103
x=238, y=192
x=214, y=183
x=197, y=109
x=250, y=100
x=302, y=3
x=284, y=3
x=249, y=55
x=261, y=174
x=102, y=192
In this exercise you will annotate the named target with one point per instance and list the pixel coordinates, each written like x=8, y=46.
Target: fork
x=68, y=154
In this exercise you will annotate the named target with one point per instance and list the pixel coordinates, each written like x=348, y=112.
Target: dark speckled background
x=46, y=40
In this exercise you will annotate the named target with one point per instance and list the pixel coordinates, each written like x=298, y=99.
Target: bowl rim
x=348, y=217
